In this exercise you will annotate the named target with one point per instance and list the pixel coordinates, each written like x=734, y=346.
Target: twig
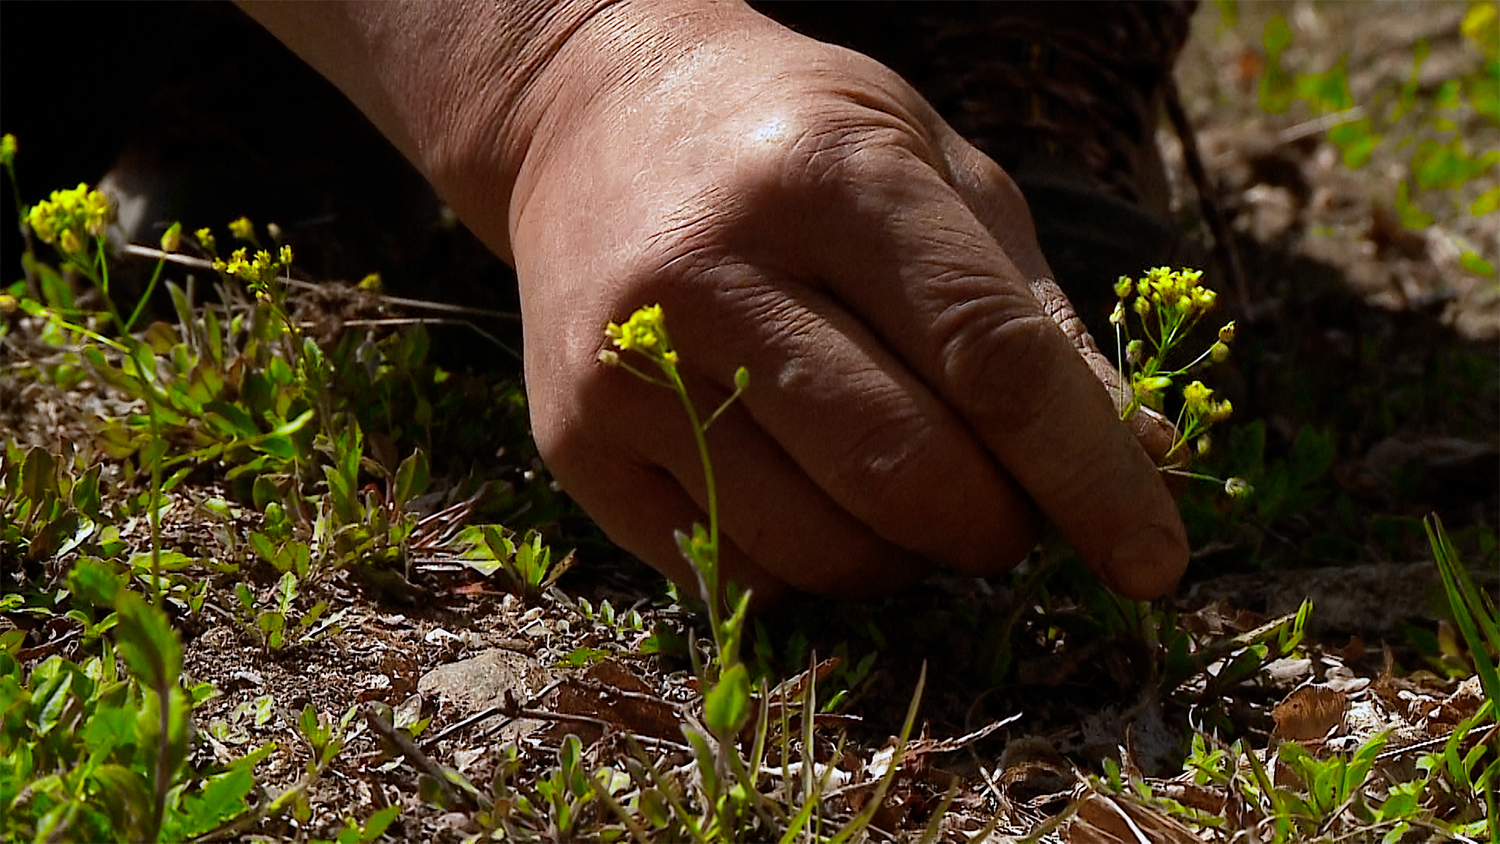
x=491, y=712
x=423, y=762
x=1320, y=125
x=1224, y=249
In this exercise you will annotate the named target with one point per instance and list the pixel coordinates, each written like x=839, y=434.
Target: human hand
x=920, y=394
x=917, y=395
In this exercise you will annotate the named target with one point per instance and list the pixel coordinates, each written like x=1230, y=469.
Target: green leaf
x=727, y=704
x=230, y=419
x=86, y=494
x=95, y=582
x=1487, y=202
x=39, y=475
x=222, y=799
x=411, y=478
x=147, y=642
x=1471, y=261
x=1472, y=610
x=1411, y=216
x=1356, y=140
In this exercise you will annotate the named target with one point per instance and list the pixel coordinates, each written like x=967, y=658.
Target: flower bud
x=1226, y=334
x=205, y=238
x=7, y=150
x=70, y=242
x=1238, y=488
x=1135, y=352
x=1117, y=316
x=1218, y=353
x=1203, y=445
x=741, y=378
x=171, y=239
x=1123, y=287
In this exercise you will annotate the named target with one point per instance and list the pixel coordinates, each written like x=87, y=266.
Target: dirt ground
x=1357, y=326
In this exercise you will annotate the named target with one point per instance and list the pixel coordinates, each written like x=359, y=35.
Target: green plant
x=280, y=623
x=1422, y=117
x=527, y=565
x=1167, y=304
x=91, y=755
x=1473, y=610
x=732, y=803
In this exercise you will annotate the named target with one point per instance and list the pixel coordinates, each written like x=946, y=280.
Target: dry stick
x=1224, y=250
x=491, y=712
x=423, y=762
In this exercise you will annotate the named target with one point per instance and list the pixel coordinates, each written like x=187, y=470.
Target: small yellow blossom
x=7, y=150
x=243, y=229
x=205, y=237
x=1220, y=411
x=1197, y=397
x=67, y=217
x=1226, y=334
x=645, y=332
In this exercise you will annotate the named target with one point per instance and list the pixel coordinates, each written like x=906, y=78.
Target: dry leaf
x=1310, y=714
x=1110, y=820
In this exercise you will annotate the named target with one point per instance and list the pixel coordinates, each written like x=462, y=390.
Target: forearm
x=470, y=90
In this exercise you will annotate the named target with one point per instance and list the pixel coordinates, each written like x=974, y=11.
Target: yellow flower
x=70, y=215
x=1197, y=397
x=7, y=149
x=645, y=332
x=242, y=229
x=1226, y=334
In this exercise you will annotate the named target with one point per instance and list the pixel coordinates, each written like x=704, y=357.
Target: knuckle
x=999, y=362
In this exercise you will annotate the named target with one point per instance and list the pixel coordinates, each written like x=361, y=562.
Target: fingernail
x=1149, y=563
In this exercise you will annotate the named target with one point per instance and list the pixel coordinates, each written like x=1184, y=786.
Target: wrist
x=571, y=80
x=475, y=93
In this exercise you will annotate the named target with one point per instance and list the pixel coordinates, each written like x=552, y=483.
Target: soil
x=1356, y=326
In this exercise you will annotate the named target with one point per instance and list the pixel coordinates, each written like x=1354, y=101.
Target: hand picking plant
x=1167, y=305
